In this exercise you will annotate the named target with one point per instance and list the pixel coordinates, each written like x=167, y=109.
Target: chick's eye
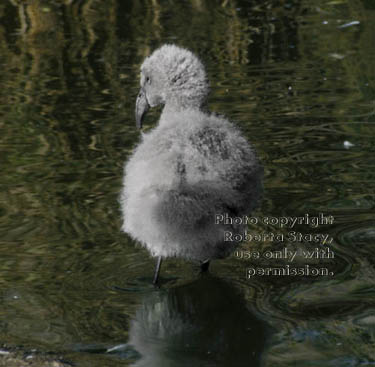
x=148, y=80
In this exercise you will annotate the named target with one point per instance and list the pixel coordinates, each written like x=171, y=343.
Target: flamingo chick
x=192, y=167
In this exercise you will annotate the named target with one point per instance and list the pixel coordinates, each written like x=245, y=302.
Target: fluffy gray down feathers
x=191, y=167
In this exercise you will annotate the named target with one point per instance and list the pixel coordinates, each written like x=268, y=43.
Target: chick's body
x=193, y=166
x=189, y=169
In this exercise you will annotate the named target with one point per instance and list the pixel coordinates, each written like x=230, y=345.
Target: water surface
x=296, y=76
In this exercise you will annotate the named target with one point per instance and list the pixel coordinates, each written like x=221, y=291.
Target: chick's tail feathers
x=192, y=207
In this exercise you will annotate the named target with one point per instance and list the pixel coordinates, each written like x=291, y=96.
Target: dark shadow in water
x=205, y=323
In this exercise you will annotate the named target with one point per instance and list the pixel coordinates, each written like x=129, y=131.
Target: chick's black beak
x=141, y=107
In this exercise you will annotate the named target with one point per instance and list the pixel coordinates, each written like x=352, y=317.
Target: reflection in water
x=205, y=323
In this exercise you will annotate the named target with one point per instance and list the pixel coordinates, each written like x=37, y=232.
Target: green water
x=297, y=76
